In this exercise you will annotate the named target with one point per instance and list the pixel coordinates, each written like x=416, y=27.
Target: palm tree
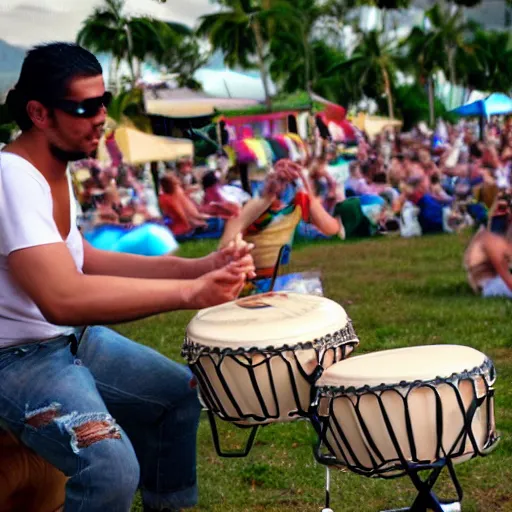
x=451, y=34
x=109, y=30
x=128, y=108
x=375, y=63
x=490, y=64
x=291, y=43
x=240, y=33
x=424, y=59
x=289, y=73
x=183, y=59
x=336, y=13
x=106, y=31
x=443, y=43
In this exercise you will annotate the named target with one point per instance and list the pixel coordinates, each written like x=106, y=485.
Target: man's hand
x=238, y=250
x=220, y=286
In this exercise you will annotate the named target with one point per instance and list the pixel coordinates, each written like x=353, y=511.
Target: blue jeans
x=63, y=407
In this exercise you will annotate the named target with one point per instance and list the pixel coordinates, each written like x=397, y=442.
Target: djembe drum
x=399, y=412
x=256, y=359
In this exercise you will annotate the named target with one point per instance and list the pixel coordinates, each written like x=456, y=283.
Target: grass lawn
x=398, y=293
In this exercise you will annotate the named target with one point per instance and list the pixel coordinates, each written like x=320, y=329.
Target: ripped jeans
x=115, y=417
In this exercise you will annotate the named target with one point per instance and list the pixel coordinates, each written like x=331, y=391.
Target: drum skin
x=434, y=389
x=256, y=358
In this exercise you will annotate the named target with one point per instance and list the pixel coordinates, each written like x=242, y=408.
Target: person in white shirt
x=112, y=415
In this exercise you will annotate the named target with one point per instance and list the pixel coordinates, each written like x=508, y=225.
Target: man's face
x=78, y=136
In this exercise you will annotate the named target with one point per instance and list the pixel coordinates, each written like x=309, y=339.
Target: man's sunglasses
x=86, y=108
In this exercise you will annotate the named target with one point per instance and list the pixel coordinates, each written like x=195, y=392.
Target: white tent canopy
x=185, y=102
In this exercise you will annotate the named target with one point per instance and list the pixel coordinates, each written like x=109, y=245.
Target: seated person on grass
x=176, y=205
x=487, y=261
x=215, y=202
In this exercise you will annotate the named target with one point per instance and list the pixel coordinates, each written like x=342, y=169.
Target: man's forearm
x=100, y=300
x=106, y=263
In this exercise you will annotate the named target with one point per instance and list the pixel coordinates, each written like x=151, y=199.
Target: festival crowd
x=415, y=183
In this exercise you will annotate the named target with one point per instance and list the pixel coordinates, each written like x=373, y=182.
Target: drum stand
x=216, y=440
x=327, y=490
x=427, y=499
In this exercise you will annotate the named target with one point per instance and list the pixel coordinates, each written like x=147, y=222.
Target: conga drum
x=27, y=482
x=256, y=359
x=398, y=412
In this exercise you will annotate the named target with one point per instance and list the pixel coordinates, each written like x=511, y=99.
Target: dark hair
x=434, y=179
x=243, y=169
x=45, y=76
x=168, y=184
x=474, y=150
x=365, y=169
x=380, y=177
x=209, y=180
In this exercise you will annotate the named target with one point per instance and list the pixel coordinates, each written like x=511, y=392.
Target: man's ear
x=38, y=113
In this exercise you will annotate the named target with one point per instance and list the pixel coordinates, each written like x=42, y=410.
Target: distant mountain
x=11, y=58
x=216, y=62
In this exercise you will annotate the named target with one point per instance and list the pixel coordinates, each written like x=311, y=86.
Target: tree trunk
x=453, y=76
x=129, y=39
x=387, y=87
x=261, y=61
x=266, y=5
x=112, y=81
x=307, y=62
x=116, y=75
x=138, y=69
x=431, y=102
x=384, y=22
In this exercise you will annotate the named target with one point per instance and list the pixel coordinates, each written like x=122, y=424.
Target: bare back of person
x=487, y=257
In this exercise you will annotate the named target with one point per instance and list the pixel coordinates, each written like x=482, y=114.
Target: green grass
x=398, y=293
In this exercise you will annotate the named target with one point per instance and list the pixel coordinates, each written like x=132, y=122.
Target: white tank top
x=26, y=220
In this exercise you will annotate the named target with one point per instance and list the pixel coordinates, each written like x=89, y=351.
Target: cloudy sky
x=27, y=22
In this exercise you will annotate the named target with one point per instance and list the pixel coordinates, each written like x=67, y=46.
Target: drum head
x=405, y=364
x=267, y=320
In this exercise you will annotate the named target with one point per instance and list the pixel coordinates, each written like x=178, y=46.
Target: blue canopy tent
x=495, y=104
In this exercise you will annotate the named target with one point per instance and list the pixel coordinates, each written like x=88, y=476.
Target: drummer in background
x=268, y=223
x=109, y=413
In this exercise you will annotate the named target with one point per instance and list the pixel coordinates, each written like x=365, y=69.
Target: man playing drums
x=110, y=414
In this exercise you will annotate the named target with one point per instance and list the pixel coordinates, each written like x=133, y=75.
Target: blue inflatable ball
x=105, y=237
x=147, y=240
